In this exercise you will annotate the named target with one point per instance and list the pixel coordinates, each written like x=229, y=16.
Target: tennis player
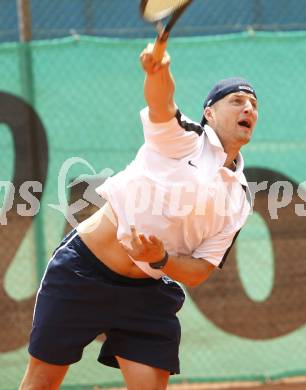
x=171, y=216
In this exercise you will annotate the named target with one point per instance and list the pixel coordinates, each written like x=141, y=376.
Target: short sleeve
x=216, y=249
x=176, y=138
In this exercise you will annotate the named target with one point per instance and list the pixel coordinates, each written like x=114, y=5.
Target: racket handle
x=159, y=50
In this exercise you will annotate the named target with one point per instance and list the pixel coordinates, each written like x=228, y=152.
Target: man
x=172, y=214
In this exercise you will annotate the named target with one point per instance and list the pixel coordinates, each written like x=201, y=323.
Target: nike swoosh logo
x=190, y=163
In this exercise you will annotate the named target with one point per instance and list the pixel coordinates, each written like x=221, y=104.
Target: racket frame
x=163, y=31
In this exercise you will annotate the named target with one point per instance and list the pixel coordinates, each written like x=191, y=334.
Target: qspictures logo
x=142, y=196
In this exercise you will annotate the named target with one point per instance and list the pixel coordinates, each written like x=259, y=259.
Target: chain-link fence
x=120, y=18
x=69, y=107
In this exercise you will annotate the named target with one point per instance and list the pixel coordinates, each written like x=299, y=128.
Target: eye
x=237, y=100
x=254, y=104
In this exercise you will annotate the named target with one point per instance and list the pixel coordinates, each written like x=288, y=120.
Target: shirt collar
x=212, y=137
x=215, y=141
x=239, y=170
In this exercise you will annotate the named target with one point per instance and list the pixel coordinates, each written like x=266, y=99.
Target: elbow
x=199, y=278
x=194, y=282
x=160, y=113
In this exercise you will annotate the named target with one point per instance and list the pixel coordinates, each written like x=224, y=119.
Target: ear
x=208, y=113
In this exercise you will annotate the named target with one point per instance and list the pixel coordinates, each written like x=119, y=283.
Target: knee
x=42, y=376
x=153, y=383
x=151, y=386
x=40, y=380
x=36, y=383
x=155, y=386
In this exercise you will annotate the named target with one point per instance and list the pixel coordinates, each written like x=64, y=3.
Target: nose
x=248, y=107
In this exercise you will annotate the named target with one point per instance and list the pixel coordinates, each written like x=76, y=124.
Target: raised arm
x=158, y=86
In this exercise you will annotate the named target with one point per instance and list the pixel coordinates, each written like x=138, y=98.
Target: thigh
x=62, y=328
x=41, y=375
x=73, y=306
x=148, y=330
x=139, y=376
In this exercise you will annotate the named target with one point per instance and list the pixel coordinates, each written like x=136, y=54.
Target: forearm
x=158, y=86
x=188, y=270
x=159, y=94
x=185, y=269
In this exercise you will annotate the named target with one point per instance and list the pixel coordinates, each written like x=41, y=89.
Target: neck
x=229, y=162
x=230, y=149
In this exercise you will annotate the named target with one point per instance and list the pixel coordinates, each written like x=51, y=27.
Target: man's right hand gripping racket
x=155, y=11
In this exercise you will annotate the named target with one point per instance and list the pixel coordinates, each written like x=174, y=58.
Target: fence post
x=25, y=24
x=28, y=92
x=257, y=14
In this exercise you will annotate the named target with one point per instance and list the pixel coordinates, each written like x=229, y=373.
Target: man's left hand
x=148, y=249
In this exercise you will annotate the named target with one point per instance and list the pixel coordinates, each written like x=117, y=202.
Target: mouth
x=245, y=123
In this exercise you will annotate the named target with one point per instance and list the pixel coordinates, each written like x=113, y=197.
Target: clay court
x=218, y=386
x=288, y=384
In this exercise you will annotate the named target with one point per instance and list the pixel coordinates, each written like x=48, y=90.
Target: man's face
x=234, y=118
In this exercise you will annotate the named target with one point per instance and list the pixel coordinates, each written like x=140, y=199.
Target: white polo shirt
x=177, y=189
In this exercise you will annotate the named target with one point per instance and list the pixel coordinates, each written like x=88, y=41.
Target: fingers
x=135, y=241
x=143, y=239
x=147, y=61
x=154, y=240
x=144, y=248
x=139, y=239
x=126, y=248
x=133, y=231
x=166, y=59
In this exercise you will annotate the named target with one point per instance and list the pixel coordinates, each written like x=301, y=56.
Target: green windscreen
x=70, y=107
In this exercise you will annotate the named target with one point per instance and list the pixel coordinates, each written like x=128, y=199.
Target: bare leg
x=42, y=376
x=138, y=376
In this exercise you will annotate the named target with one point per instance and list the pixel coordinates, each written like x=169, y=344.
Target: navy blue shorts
x=80, y=298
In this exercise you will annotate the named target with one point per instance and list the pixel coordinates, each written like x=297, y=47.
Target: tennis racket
x=168, y=11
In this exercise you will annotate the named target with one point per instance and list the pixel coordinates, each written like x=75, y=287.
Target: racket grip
x=159, y=50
